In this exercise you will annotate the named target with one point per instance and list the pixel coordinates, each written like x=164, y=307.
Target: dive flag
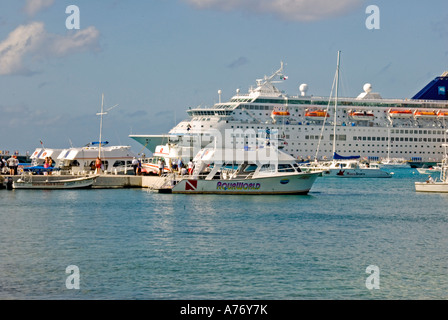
x=191, y=185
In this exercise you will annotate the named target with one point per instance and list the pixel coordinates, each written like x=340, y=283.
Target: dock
x=109, y=181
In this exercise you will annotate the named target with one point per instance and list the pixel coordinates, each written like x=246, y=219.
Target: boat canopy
x=96, y=143
x=339, y=157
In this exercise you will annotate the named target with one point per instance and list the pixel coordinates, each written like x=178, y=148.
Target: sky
x=157, y=58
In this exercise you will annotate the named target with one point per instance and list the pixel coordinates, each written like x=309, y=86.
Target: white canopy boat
x=264, y=170
x=50, y=183
x=82, y=160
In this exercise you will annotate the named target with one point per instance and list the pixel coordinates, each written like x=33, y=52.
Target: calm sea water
x=133, y=244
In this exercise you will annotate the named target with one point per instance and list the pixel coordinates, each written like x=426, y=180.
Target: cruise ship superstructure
x=367, y=125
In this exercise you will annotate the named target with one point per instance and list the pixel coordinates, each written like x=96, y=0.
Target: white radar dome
x=303, y=88
x=367, y=87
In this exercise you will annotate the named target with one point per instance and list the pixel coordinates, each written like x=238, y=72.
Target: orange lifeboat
x=280, y=113
x=442, y=114
x=398, y=113
x=316, y=115
x=361, y=115
x=425, y=114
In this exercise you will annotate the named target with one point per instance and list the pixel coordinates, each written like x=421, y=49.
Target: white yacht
x=115, y=159
x=258, y=171
x=366, y=125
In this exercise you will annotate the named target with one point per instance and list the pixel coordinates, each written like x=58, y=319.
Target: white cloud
x=23, y=40
x=33, y=41
x=34, y=6
x=294, y=10
x=84, y=39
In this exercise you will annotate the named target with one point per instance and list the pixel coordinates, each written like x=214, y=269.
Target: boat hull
x=56, y=184
x=289, y=184
x=439, y=187
x=355, y=173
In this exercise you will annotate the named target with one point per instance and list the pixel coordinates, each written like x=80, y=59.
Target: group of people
x=137, y=165
x=181, y=168
x=11, y=164
x=175, y=166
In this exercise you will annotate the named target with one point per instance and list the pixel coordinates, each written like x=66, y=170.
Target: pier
x=108, y=181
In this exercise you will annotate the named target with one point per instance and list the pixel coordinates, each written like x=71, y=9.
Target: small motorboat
x=28, y=182
x=436, y=185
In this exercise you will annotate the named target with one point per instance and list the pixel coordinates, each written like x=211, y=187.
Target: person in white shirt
x=135, y=165
x=13, y=164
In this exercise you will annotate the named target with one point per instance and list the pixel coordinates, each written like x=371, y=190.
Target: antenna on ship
x=102, y=113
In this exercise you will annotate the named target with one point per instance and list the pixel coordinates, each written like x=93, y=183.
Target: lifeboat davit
x=316, y=115
x=361, y=115
x=425, y=114
x=400, y=113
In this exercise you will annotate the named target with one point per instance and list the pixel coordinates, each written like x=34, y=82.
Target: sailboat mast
x=101, y=124
x=336, y=102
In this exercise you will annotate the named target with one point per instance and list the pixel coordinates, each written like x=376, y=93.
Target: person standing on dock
x=13, y=164
x=135, y=165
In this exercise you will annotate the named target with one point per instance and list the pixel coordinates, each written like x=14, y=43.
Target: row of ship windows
x=368, y=151
x=394, y=131
x=343, y=137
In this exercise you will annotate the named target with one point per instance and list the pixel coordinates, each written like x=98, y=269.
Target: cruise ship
x=311, y=127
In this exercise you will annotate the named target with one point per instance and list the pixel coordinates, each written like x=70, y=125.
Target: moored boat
x=354, y=169
x=260, y=171
x=26, y=182
x=438, y=185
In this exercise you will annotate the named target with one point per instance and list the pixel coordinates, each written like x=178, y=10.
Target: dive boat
x=261, y=171
x=26, y=182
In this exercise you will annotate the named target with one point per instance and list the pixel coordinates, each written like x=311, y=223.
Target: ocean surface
x=135, y=244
